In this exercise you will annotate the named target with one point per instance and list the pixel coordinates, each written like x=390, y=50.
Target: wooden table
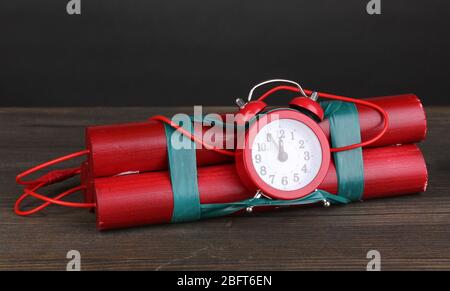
x=410, y=232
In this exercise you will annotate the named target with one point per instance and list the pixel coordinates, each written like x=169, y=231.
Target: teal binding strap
x=345, y=130
x=183, y=175
x=222, y=209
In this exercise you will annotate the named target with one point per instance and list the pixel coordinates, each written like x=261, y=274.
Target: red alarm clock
x=285, y=153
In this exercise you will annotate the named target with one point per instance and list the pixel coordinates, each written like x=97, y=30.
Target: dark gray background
x=184, y=52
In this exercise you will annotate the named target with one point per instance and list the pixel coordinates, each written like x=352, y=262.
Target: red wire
x=49, y=201
x=295, y=89
x=32, y=186
x=345, y=99
x=47, y=164
x=191, y=136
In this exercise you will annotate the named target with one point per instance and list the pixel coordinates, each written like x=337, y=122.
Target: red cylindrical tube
x=388, y=171
x=148, y=199
x=141, y=146
x=131, y=200
x=407, y=120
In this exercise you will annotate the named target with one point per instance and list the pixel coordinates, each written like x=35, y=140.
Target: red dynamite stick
x=132, y=200
x=141, y=146
x=407, y=120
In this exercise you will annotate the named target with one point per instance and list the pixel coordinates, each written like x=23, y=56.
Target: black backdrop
x=184, y=52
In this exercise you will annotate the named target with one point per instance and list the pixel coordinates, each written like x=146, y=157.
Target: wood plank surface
x=411, y=232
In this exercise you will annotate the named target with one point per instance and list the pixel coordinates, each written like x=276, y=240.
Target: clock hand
x=273, y=141
x=282, y=155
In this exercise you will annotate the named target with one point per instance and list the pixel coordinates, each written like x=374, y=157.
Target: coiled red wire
x=50, y=178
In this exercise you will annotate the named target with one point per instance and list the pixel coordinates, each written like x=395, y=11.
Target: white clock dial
x=286, y=154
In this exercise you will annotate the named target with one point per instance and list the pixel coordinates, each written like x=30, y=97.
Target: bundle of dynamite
x=130, y=172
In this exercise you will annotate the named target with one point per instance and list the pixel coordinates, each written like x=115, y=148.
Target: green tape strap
x=183, y=175
x=222, y=209
x=345, y=130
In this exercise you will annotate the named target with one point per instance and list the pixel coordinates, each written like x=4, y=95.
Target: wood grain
x=410, y=232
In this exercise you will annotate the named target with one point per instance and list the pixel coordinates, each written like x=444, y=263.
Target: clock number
x=272, y=178
x=258, y=158
x=292, y=135
x=302, y=144
x=262, y=171
x=296, y=177
x=304, y=169
x=281, y=134
x=262, y=147
x=307, y=156
x=284, y=180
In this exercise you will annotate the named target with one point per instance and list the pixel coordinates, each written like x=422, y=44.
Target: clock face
x=286, y=154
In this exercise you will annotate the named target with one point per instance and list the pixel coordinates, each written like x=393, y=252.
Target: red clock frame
x=244, y=162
